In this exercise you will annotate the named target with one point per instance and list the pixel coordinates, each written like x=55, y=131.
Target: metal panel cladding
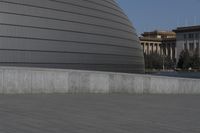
x=71, y=34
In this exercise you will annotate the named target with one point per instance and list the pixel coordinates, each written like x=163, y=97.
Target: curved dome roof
x=73, y=34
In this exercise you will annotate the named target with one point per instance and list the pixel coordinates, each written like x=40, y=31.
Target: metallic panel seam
x=59, y=10
x=69, y=41
x=64, y=2
x=45, y=28
x=70, y=52
x=66, y=21
x=105, y=6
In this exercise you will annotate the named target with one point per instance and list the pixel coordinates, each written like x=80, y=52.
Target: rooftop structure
x=159, y=34
x=187, y=29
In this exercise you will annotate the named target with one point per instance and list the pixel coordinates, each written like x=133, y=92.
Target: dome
x=69, y=34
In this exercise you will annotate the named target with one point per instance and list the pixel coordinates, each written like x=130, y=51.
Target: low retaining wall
x=36, y=80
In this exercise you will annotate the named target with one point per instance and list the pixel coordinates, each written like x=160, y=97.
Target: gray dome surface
x=72, y=34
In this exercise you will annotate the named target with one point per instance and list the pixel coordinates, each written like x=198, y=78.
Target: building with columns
x=161, y=42
x=187, y=38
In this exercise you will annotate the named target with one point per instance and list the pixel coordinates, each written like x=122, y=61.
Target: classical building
x=161, y=42
x=187, y=38
x=71, y=34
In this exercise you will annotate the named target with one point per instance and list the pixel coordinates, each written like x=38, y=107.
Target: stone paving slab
x=87, y=113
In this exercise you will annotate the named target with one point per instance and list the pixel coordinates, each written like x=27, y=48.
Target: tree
x=195, y=60
x=189, y=60
x=169, y=63
x=155, y=61
x=181, y=60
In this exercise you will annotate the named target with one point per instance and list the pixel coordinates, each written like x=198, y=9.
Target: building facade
x=187, y=38
x=160, y=42
x=70, y=34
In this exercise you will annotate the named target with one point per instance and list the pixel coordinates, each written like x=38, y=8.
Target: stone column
x=165, y=47
x=171, y=48
x=150, y=48
x=151, y=45
x=143, y=46
x=161, y=49
x=156, y=48
x=175, y=50
x=147, y=48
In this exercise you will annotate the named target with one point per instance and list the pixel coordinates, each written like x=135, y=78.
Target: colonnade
x=166, y=49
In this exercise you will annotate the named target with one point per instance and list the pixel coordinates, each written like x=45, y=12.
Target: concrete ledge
x=14, y=80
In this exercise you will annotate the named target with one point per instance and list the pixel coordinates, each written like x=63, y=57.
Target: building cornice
x=187, y=29
x=157, y=39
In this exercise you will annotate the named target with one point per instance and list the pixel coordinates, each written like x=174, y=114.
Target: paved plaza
x=84, y=113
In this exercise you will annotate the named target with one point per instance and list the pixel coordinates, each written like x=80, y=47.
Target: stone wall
x=36, y=80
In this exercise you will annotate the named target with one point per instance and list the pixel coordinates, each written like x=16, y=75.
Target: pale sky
x=148, y=15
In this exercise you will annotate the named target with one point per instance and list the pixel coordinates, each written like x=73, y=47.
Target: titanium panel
x=70, y=34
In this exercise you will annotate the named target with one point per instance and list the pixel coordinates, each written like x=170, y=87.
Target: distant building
x=161, y=42
x=187, y=38
x=172, y=43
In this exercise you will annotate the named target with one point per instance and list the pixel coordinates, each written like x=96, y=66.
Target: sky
x=149, y=15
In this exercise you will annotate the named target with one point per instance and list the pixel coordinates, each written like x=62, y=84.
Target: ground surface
x=99, y=114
